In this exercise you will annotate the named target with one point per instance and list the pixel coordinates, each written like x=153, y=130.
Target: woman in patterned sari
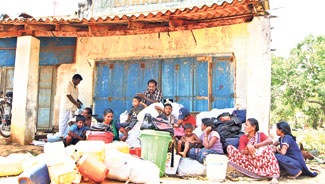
x=254, y=156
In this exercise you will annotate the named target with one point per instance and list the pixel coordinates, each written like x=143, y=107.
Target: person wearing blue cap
x=185, y=117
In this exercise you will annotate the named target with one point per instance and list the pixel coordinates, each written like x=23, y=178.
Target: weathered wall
x=258, y=72
x=25, y=90
x=248, y=42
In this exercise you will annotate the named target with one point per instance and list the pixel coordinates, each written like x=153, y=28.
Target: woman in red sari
x=254, y=156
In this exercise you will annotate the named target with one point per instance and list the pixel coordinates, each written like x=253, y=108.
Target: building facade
x=204, y=56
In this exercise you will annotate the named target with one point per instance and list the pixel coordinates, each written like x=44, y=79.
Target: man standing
x=152, y=94
x=69, y=104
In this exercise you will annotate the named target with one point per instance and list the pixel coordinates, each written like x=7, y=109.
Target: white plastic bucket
x=216, y=167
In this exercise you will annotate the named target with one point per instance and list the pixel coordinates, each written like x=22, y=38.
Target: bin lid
x=155, y=133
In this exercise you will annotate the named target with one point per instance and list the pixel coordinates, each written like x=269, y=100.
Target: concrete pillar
x=259, y=72
x=25, y=90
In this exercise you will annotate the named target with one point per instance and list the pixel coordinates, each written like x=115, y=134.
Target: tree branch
x=319, y=103
x=316, y=102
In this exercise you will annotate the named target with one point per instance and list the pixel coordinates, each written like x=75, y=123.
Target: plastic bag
x=125, y=167
x=190, y=167
x=159, y=124
x=124, y=116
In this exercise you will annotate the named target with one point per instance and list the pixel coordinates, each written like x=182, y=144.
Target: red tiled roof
x=185, y=19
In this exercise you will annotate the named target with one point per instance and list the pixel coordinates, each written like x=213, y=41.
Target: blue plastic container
x=38, y=174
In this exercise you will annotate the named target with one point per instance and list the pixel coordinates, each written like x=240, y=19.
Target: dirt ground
x=5, y=150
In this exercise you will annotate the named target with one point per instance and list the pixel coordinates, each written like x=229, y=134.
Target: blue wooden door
x=7, y=79
x=177, y=80
x=223, y=78
x=117, y=82
x=185, y=80
x=201, y=86
x=198, y=84
x=46, y=86
x=193, y=82
x=53, y=52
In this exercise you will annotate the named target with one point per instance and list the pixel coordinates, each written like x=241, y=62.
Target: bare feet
x=317, y=170
x=182, y=154
x=274, y=181
x=295, y=176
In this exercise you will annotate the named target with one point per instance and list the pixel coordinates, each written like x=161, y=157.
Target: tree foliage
x=298, y=82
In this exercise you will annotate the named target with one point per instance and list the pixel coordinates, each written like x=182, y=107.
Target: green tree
x=298, y=82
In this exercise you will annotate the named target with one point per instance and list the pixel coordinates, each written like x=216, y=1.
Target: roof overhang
x=236, y=12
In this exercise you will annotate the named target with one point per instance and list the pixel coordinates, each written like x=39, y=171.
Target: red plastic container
x=107, y=137
x=93, y=169
x=135, y=151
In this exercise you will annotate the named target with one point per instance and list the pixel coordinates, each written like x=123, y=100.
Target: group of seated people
x=254, y=154
x=250, y=152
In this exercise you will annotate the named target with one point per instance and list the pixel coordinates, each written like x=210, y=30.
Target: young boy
x=187, y=141
x=166, y=113
x=185, y=117
x=77, y=131
x=134, y=111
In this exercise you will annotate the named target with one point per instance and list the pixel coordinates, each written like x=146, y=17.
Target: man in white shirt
x=69, y=104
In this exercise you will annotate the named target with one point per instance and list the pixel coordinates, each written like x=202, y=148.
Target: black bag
x=228, y=129
x=159, y=124
x=101, y=127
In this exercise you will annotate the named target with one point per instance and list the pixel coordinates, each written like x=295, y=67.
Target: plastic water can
x=93, y=148
x=37, y=174
x=91, y=168
x=54, y=153
x=61, y=173
x=13, y=164
x=118, y=145
x=136, y=151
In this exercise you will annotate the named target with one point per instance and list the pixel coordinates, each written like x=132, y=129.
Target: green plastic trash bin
x=154, y=147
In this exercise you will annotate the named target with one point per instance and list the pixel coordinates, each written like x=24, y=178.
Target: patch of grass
x=311, y=139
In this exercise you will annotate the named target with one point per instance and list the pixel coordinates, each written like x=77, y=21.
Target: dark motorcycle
x=5, y=114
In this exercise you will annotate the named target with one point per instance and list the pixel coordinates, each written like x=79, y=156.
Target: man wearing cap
x=185, y=117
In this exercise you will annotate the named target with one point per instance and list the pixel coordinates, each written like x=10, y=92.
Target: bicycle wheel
x=4, y=128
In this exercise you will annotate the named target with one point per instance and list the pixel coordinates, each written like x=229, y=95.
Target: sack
x=125, y=167
x=190, y=167
x=159, y=124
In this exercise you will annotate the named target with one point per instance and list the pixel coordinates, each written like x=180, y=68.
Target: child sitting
x=77, y=131
x=166, y=113
x=134, y=111
x=188, y=141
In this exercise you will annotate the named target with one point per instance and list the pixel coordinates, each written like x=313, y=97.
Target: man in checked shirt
x=152, y=94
